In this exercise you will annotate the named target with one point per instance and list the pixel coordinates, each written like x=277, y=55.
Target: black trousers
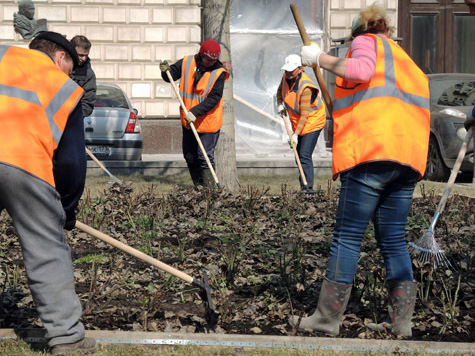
x=191, y=151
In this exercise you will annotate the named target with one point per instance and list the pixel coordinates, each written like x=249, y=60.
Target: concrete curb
x=255, y=341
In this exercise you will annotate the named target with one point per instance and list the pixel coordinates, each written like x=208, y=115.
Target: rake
x=426, y=249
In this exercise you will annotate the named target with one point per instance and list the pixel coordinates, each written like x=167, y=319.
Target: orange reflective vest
x=36, y=98
x=317, y=115
x=387, y=118
x=213, y=120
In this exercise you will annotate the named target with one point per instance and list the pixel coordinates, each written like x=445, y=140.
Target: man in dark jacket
x=84, y=75
x=43, y=170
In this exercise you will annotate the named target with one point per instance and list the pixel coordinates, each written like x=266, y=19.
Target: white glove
x=310, y=54
x=281, y=109
x=293, y=140
x=190, y=117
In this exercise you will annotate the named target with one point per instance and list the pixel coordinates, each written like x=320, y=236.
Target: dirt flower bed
x=266, y=257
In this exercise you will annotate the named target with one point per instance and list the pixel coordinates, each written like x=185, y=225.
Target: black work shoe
x=84, y=346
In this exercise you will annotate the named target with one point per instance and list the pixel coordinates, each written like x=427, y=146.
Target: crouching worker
x=298, y=95
x=43, y=170
x=201, y=89
x=381, y=135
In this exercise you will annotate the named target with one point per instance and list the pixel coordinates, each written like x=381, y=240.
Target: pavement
x=249, y=164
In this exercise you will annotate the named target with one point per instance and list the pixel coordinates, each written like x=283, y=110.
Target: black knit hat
x=61, y=41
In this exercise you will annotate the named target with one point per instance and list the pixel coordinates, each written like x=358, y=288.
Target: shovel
x=211, y=312
x=183, y=107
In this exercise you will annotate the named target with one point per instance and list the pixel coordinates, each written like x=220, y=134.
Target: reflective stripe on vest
x=316, y=116
x=192, y=96
x=388, y=90
x=34, y=118
x=385, y=119
x=55, y=104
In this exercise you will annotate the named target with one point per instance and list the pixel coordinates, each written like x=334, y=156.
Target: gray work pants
x=38, y=216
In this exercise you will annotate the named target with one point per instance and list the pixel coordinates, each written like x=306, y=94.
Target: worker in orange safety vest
x=201, y=89
x=381, y=134
x=43, y=170
x=298, y=96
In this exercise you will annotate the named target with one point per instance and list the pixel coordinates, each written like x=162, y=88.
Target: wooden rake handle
x=183, y=107
x=294, y=148
x=136, y=253
x=316, y=69
x=99, y=163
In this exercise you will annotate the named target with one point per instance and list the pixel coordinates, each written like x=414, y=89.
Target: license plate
x=100, y=150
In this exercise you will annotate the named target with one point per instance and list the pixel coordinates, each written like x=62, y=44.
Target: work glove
x=164, y=66
x=190, y=117
x=293, y=140
x=70, y=224
x=281, y=109
x=310, y=54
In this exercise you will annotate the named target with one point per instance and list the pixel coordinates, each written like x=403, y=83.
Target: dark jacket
x=69, y=163
x=85, y=77
x=216, y=93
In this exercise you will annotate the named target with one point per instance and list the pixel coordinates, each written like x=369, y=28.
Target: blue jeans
x=305, y=148
x=381, y=191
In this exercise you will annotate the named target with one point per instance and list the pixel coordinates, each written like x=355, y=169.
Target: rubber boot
x=208, y=180
x=332, y=303
x=402, y=299
x=196, y=174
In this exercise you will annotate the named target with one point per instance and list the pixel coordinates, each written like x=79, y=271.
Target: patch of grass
x=90, y=259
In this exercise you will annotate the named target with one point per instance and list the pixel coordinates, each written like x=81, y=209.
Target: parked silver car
x=112, y=131
x=452, y=97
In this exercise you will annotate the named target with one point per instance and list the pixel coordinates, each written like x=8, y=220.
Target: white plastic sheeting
x=263, y=33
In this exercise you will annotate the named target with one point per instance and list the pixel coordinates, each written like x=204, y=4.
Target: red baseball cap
x=210, y=49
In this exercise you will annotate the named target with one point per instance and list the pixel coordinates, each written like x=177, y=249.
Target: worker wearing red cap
x=201, y=88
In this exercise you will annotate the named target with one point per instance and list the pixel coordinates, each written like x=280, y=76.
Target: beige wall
x=129, y=38
x=342, y=13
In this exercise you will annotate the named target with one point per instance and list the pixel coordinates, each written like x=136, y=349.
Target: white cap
x=292, y=62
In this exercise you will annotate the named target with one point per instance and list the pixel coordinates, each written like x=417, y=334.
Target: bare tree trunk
x=215, y=26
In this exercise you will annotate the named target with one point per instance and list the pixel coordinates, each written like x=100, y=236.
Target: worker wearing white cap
x=299, y=96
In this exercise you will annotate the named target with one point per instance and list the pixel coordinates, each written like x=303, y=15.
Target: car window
x=452, y=92
x=110, y=97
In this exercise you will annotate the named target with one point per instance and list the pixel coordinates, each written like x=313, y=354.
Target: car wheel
x=436, y=169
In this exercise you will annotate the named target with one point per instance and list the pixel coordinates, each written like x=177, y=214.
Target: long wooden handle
x=316, y=69
x=183, y=107
x=292, y=143
x=455, y=170
x=256, y=109
x=99, y=163
x=132, y=251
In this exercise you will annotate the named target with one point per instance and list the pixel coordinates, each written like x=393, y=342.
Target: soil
x=265, y=255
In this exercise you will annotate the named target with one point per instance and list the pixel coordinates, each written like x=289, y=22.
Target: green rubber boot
x=332, y=303
x=402, y=299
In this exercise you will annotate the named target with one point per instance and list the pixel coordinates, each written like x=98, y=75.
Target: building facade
x=130, y=37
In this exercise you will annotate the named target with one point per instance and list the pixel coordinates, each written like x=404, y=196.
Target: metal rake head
x=427, y=250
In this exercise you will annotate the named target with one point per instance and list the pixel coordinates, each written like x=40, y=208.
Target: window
x=438, y=34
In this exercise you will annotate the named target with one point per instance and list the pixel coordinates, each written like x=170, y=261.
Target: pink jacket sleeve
x=361, y=66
